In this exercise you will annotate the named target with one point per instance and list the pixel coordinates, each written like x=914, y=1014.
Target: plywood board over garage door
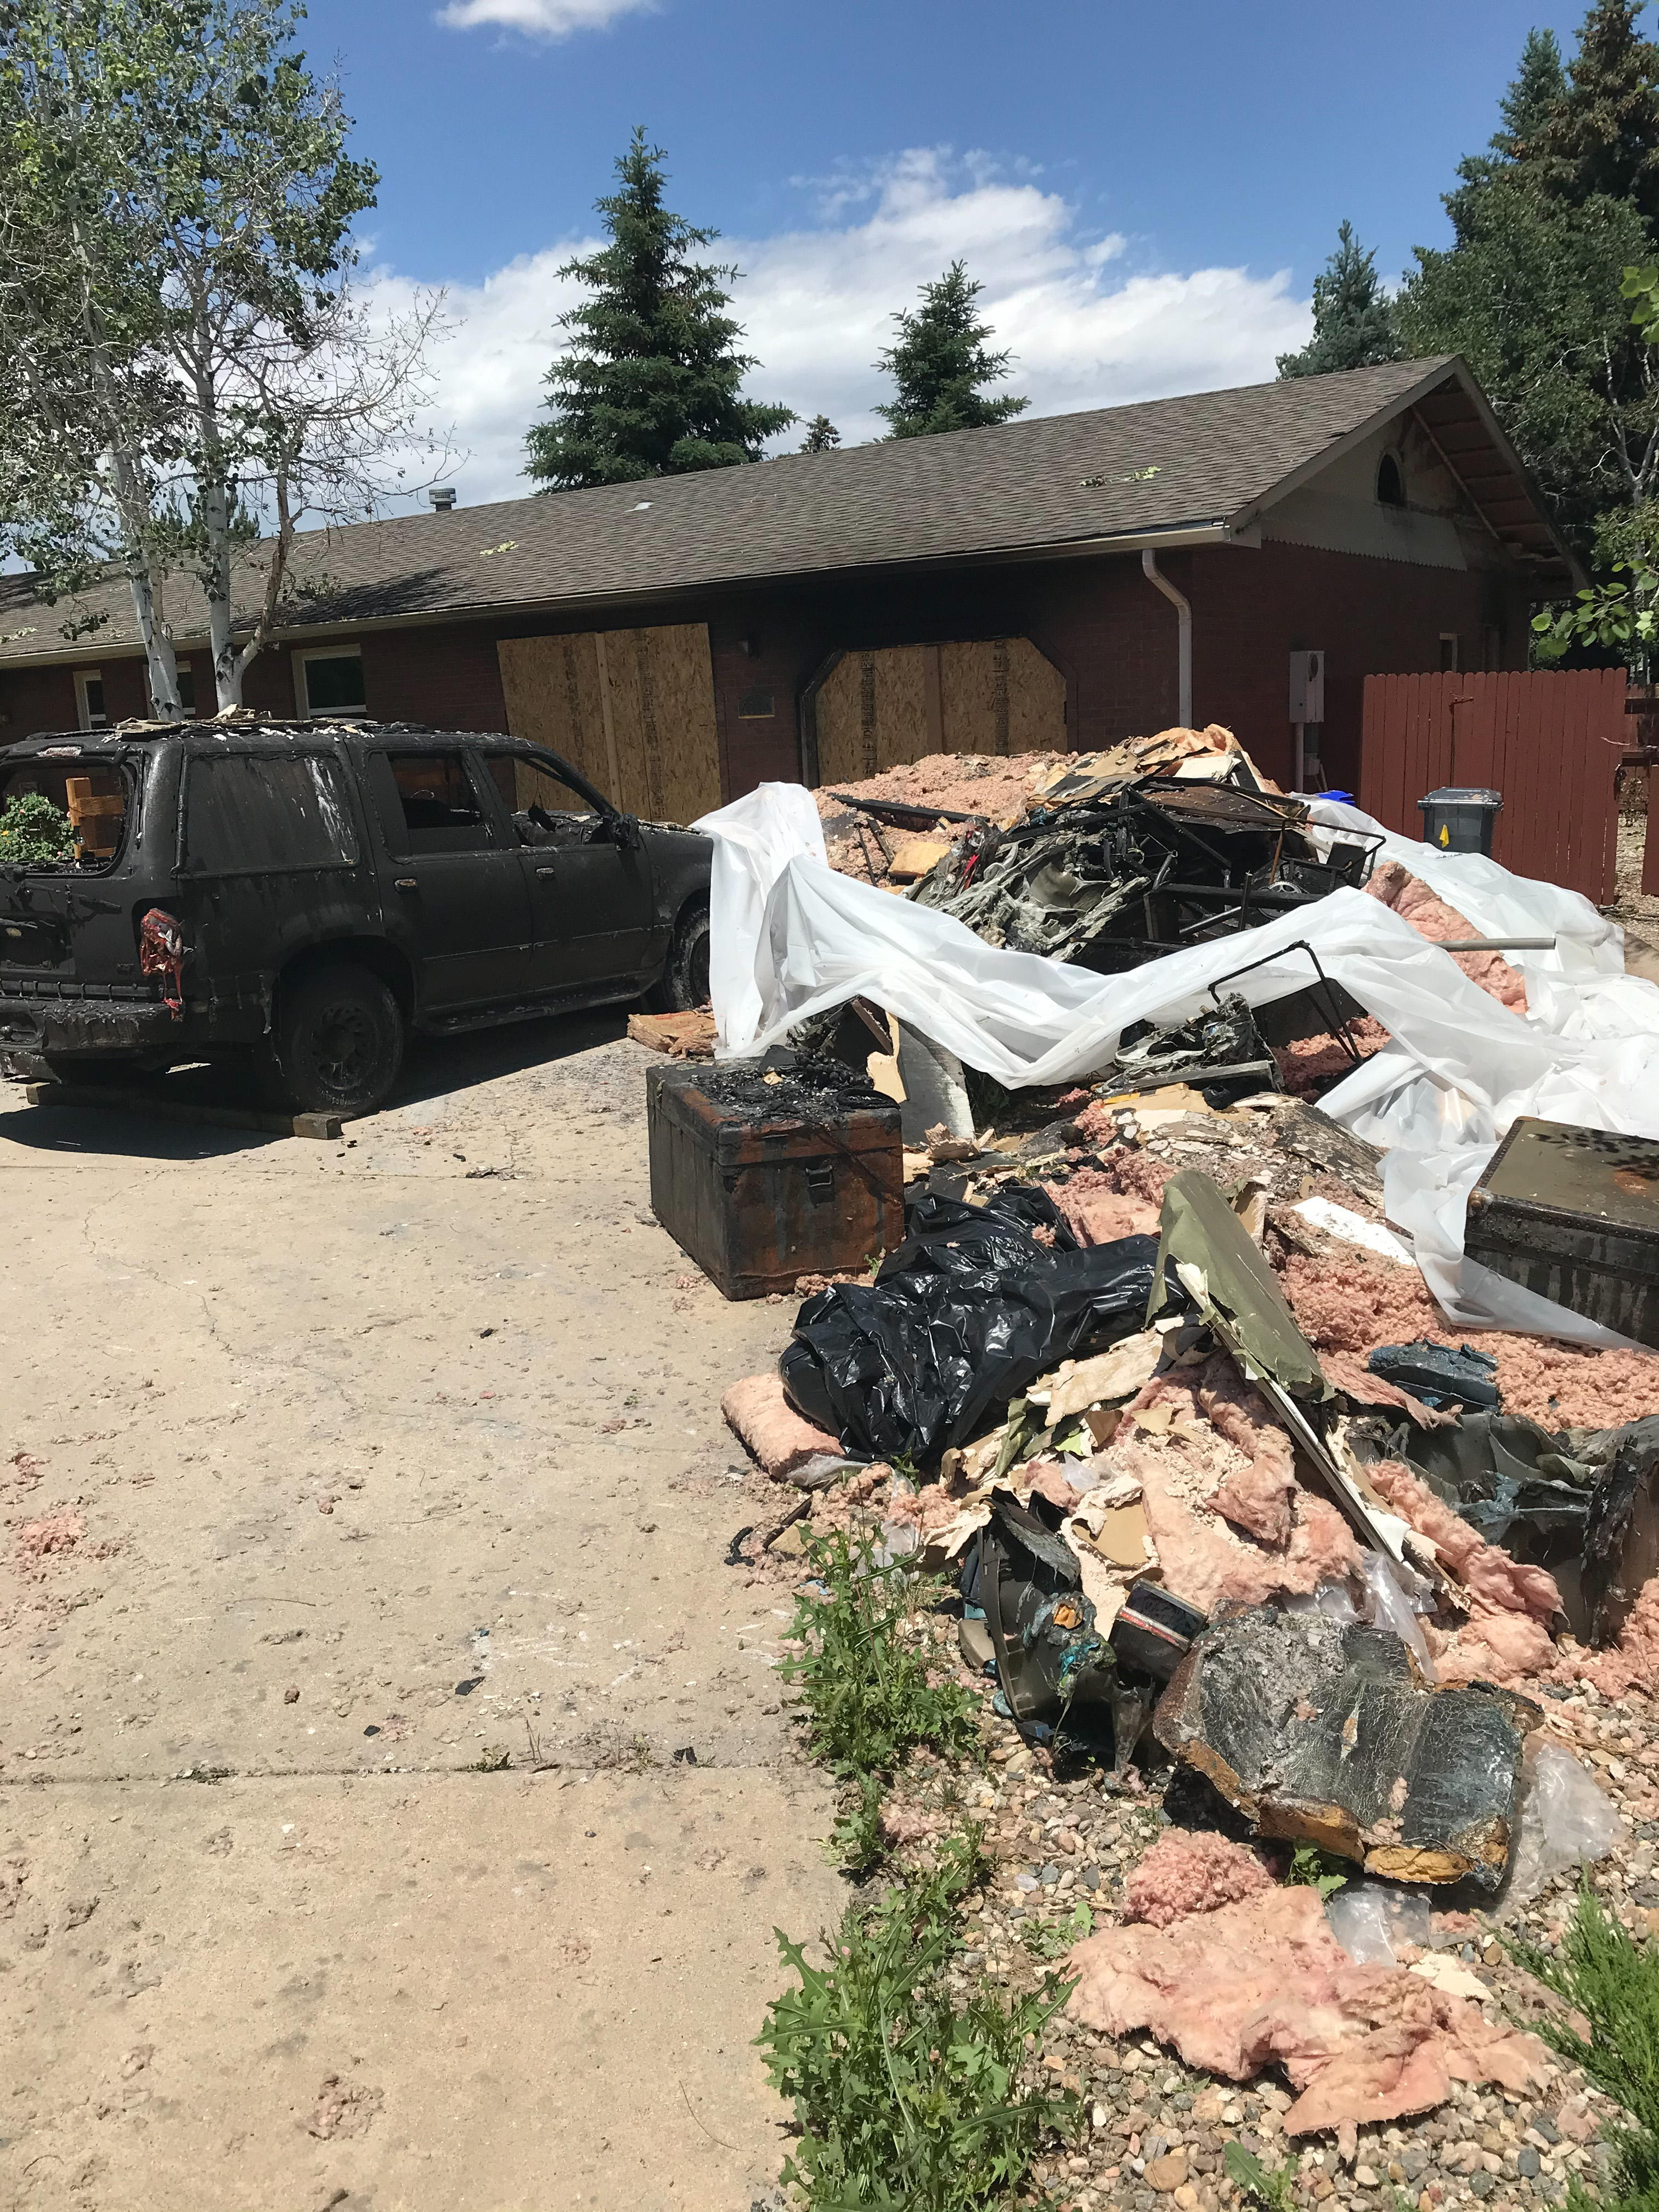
x=878, y=709
x=633, y=709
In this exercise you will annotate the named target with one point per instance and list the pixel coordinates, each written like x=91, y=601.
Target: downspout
x=1182, y=606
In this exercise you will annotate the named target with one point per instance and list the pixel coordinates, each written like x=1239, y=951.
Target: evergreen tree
x=652, y=382
x=1602, y=134
x=940, y=361
x=1538, y=84
x=1353, y=316
x=822, y=436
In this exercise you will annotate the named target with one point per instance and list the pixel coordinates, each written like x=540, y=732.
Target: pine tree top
x=1601, y=135
x=822, y=436
x=1538, y=84
x=939, y=361
x=1353, y=316
x=651, y=382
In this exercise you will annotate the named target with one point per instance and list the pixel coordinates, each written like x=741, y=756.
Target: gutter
x=1183, y=608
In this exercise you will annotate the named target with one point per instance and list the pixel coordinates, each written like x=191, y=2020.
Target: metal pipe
x=1497, y=945
x=1182, y=606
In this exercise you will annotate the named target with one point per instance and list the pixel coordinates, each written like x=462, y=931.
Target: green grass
x=865, y=1691
x=1047, y=1939
x=1270, y=2185
x=905, y=2100
x=1614, y=1983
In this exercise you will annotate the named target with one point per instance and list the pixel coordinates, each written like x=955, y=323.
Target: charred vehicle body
x=310, y=893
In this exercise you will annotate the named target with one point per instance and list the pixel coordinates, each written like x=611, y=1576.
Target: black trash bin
x=1459, y=820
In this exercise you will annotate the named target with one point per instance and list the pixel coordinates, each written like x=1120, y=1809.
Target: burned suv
x=309, y=893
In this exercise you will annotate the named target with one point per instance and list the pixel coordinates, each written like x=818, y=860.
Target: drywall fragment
x=1327, y=1734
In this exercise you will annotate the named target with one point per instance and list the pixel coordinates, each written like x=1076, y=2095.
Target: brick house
x=1053, y=582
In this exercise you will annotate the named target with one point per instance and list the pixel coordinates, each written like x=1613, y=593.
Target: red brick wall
x=1099, y=621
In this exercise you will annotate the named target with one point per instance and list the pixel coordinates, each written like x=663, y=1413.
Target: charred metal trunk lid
x=1574, y=1215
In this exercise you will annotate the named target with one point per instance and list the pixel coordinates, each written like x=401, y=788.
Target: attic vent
x=1390, y=484
x=442, y=497
x=757, y=707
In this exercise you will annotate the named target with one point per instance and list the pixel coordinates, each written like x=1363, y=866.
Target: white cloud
x=544, y=19
x=817, y=302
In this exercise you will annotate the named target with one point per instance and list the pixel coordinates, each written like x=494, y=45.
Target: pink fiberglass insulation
x=1413, y=902
x=1489, y=1575
x=1310, y=1066
x=1185, y=1465
x=1350, y=1302
x=1098, y=1213
x=1186, y=1872
x=771, y=1428
x=1510, y=1649
x=1260, y=1497
x=1264, y=1982
x=1634, y=1662
x=1123, y=1167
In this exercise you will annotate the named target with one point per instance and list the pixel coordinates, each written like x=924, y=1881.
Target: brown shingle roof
x=1160, y=466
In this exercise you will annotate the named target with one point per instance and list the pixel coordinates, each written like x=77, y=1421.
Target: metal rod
x=1497, y=945
x=904, y=817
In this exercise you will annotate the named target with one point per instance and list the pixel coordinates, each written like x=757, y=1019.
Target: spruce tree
x=1602, y=134
x=822, y=436
x=940, y=361
x=651, y=384
x=1353, y=316
x=1538, y=84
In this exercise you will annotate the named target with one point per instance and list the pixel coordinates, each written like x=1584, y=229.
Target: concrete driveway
x=334, y=1476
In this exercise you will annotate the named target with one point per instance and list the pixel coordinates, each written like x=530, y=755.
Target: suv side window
x=523, y=783
x=429, y=804
x=256, y=814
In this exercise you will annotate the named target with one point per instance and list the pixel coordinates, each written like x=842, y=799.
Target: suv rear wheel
x=684, y=979
x=339, y=1041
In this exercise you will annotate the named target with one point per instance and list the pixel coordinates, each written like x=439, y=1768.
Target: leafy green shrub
x=866, y=1692
x=1614, y=1984
x=32, y=831
x=904, y=2102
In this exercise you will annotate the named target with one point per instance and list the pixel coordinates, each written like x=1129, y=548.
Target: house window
x=1449, y=655
x=90, y=699
x=1390, y=483
x=756, y=707
x=329, y=680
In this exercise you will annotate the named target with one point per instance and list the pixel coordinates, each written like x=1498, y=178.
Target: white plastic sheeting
x=791, y=938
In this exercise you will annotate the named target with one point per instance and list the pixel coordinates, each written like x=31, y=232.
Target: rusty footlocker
x=1574, y=1215
x=764, y=1175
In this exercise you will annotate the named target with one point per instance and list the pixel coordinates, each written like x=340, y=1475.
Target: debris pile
x=1232, y=1509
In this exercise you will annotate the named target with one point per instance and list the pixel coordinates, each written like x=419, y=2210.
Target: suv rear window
x=251, y=813
x=62, y=813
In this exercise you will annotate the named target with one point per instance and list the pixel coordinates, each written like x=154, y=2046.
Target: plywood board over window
x=876, y=710
x=633, y=709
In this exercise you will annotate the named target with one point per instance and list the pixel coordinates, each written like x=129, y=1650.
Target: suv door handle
x=547, y=872
x=407, y=884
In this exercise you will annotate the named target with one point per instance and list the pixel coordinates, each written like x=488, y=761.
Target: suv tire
x=339, y=1044
x=684, y=983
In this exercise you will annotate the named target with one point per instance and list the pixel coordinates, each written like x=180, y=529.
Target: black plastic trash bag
x=968, y=1311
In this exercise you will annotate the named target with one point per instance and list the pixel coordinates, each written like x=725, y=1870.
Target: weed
x=1270, y=2185
x=641, y=1757
x=1312, y=1869
x=903, y=2100
x=858, y=1844
x=868, y=1693
x=494, y=1759
x=1046, y=1940
x=1613, y=1983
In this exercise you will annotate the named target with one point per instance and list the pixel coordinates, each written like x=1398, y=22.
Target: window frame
x=194, y=871
x=1454, y=638
x=494, y=820
x=82, y=710
x=303, y=656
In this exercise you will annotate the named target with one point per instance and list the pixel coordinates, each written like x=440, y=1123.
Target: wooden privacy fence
x=1551, y=743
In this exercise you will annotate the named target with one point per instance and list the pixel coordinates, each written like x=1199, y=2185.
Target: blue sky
x=1147, y=193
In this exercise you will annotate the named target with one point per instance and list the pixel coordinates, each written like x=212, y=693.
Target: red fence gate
x=1551, y=743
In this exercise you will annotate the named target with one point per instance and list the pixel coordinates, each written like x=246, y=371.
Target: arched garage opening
x=878, y=709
